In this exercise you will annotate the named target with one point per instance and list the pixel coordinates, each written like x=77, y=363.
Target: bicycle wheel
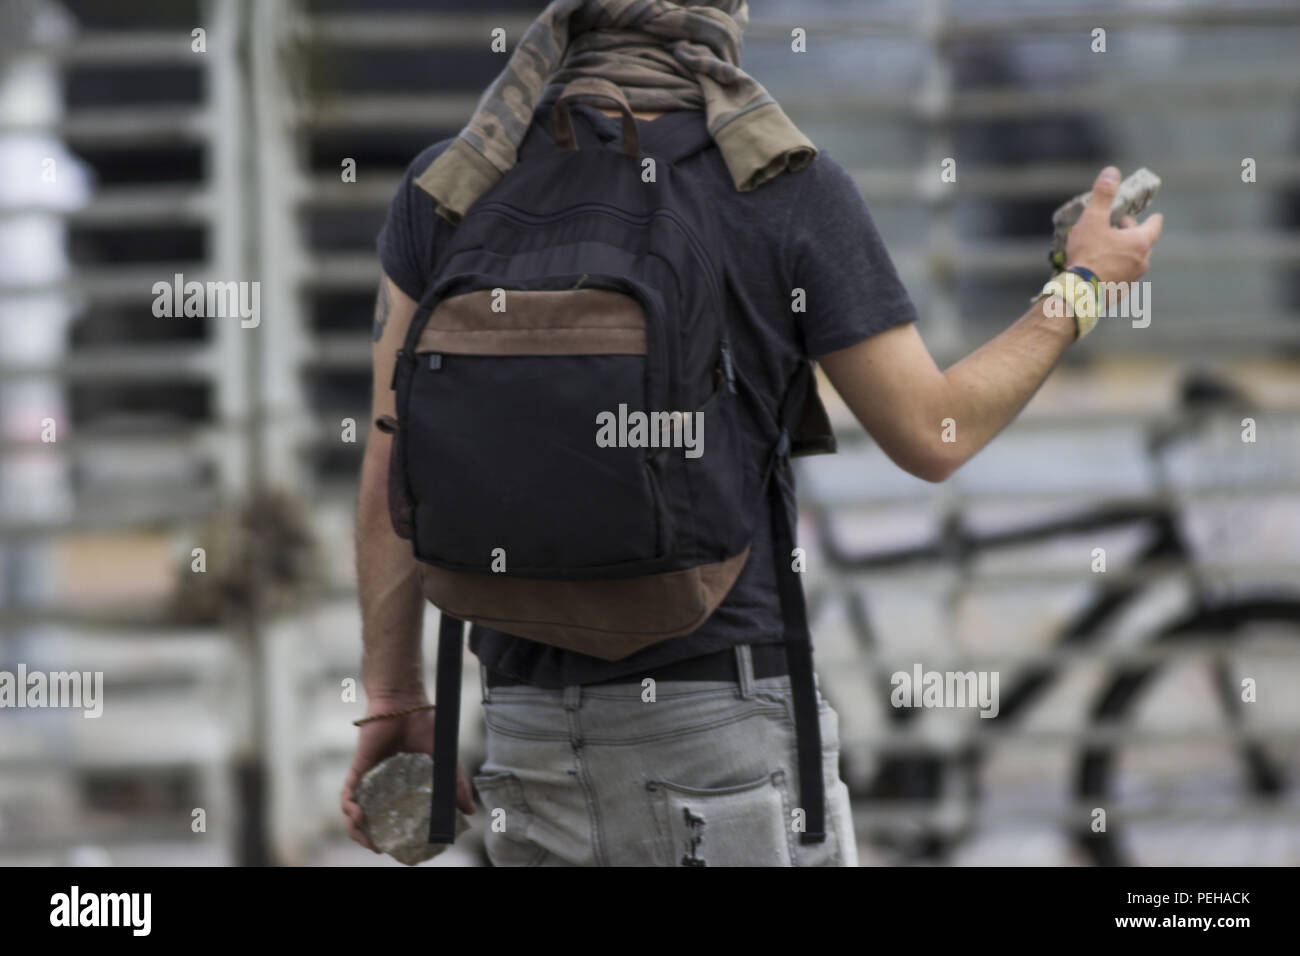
x=1188, y=772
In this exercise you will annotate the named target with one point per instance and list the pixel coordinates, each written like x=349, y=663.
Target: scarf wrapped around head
x=663, y=55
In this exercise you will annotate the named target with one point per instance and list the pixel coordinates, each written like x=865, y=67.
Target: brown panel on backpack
x=609, y=619
x=563, y=322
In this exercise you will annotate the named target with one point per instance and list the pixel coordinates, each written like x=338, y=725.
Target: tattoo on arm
x=382, y=308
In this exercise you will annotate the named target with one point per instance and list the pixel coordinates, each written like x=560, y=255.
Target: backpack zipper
x=510, y=212
x=563, y=283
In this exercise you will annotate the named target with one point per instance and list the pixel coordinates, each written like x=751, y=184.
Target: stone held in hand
x=395, y=796
x=1133, y=195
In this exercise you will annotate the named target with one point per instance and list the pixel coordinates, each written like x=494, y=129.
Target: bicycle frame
x=923, y=776
x=920, y=776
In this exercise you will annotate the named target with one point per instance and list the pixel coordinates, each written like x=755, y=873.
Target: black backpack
x=567, y=456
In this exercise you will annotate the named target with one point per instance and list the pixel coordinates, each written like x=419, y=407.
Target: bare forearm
x=987, y=389
x=392, y=607
x=984, y=391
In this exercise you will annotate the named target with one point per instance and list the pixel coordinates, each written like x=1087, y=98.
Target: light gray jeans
x=704, y=774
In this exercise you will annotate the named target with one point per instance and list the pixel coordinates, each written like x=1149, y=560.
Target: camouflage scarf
x=663, y=55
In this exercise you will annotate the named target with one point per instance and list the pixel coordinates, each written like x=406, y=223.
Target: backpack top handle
x=598, y=88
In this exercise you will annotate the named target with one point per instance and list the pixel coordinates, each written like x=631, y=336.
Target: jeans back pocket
x=748, y=824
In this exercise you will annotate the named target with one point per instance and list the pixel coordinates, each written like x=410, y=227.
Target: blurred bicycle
x=1120, y=765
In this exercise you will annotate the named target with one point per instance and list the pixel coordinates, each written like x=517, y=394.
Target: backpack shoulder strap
x=446, y=729
x=810, y=426
x=539, y=138
x=798, y=650
x=684, y=134
x=802, y=422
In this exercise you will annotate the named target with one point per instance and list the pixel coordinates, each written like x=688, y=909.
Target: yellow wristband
x=1080, y=298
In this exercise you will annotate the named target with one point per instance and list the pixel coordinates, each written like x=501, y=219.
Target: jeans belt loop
x=745, y=670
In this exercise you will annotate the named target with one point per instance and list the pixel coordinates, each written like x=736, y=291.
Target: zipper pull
x=435, y=361
x=728, y=369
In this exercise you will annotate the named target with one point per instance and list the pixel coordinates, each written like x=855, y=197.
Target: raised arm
x=902, y=398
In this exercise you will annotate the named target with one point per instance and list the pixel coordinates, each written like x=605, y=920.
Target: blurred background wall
x=129, y=155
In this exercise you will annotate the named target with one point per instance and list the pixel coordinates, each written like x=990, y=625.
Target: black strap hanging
x=801, y=410
x=798, y=653
x=446, y=729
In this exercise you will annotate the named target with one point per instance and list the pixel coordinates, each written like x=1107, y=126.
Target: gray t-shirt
x=807, y=230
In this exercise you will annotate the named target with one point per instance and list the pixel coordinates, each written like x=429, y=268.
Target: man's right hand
x=1115, y=254
x=380, y=739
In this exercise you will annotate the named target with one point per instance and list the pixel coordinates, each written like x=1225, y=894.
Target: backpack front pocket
x=508, y=463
